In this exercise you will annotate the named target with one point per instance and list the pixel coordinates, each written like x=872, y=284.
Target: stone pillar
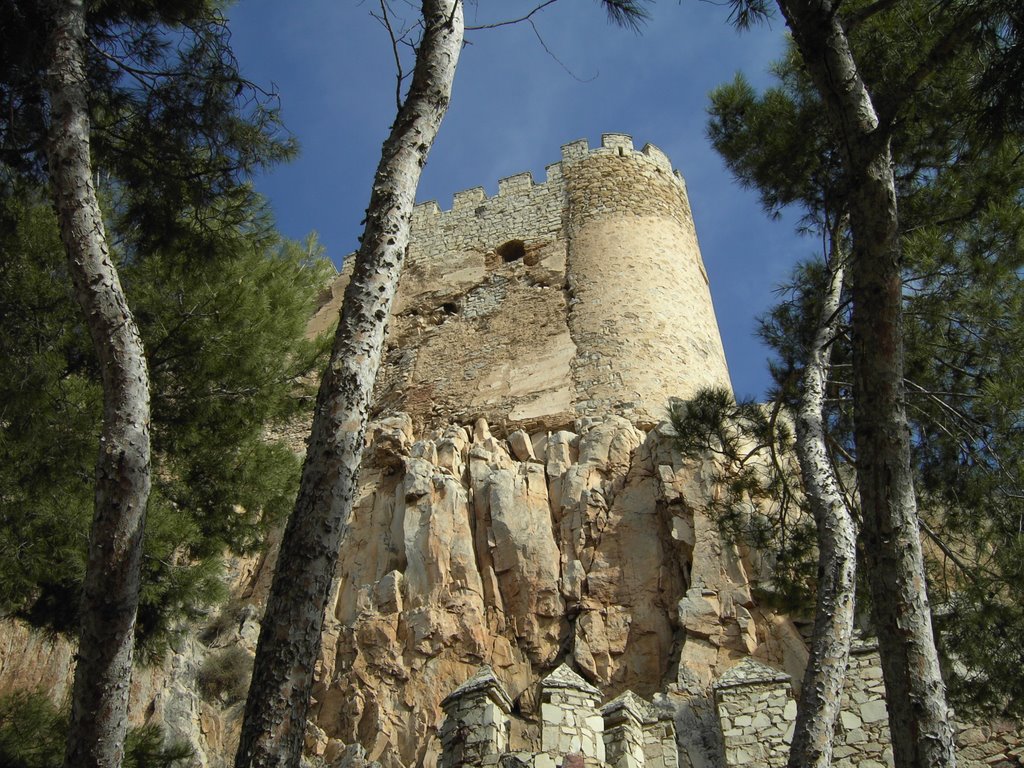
x=756, y=714
x=624, y=731
x=571, y=724
x=636, y=735
x=660, y=749
x=476, y=728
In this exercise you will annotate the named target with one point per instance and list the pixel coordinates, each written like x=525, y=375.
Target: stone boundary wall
x=756, y=713
x=862, y=733
x=626, y=732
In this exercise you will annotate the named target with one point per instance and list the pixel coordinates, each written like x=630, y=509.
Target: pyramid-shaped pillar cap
x=750, y=672
x=629, y=704
x=483, y=684
x=564, y=677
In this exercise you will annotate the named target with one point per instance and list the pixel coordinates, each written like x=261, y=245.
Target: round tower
x=640, y=310
x=582, y=295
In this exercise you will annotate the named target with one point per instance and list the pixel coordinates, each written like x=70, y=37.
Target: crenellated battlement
x=522, y=186
x=576, y=296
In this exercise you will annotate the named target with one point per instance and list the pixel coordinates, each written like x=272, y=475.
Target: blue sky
x=513, y=106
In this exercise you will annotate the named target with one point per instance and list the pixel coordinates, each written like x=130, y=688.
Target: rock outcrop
x=520, y=552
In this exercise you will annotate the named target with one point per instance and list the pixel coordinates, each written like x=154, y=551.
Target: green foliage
x=775, y=142
x=221, y=303
x=224, y=676
x=31, y=731
x=627, y=13
x=754, y=468
x=965, y=378
x=227, y=354
x=961, y=189
x=176, y=128
x=145, y=748
x=32, y=736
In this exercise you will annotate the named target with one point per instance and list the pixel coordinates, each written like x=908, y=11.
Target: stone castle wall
x=581, y=295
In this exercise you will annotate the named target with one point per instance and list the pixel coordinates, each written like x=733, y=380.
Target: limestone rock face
x=522, y=552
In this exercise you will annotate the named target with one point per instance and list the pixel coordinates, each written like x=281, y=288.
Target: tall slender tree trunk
x=289, y=644
x=822, y=689
x=918, y=717
x=99, y=709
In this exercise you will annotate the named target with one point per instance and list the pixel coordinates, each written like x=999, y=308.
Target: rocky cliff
x=591, y=546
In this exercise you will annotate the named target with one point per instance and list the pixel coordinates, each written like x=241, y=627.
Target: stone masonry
x=570, y=721
x=625, y=733
x=583, y=295
x=756, y=714
x=757, y=711
x=476, y=726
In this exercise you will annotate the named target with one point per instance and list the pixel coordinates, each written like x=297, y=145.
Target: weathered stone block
x=873, y=712
x=849, y=720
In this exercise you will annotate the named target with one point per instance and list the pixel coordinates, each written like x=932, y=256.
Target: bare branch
x=385, y=21
x=557, y=60
x=510, y=22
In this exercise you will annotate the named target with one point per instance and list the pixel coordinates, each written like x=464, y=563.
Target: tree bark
x=918, y=717
x=822, y=690
x=99, y=710
x=289, y=644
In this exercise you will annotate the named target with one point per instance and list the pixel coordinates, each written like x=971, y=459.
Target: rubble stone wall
x=756, y=717
x=625, y=733
x=862, y=733
x=757, y=712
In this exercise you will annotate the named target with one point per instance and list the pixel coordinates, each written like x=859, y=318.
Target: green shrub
x=33, y=729
x=224, y=676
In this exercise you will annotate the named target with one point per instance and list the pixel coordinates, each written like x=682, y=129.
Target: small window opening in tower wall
x=511, y=251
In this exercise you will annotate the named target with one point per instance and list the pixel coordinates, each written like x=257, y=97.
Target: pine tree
x=67, y=98
x=930, y=138
x=227, y=353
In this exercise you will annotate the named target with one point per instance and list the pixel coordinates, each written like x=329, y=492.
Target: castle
x=580, y=296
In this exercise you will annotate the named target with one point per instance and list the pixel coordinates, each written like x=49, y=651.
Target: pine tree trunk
x=918, y=717
x=822, y=690
x=99, y=710
x=289, y=644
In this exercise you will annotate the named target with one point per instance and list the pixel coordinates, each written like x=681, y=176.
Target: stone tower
x=584, y=295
